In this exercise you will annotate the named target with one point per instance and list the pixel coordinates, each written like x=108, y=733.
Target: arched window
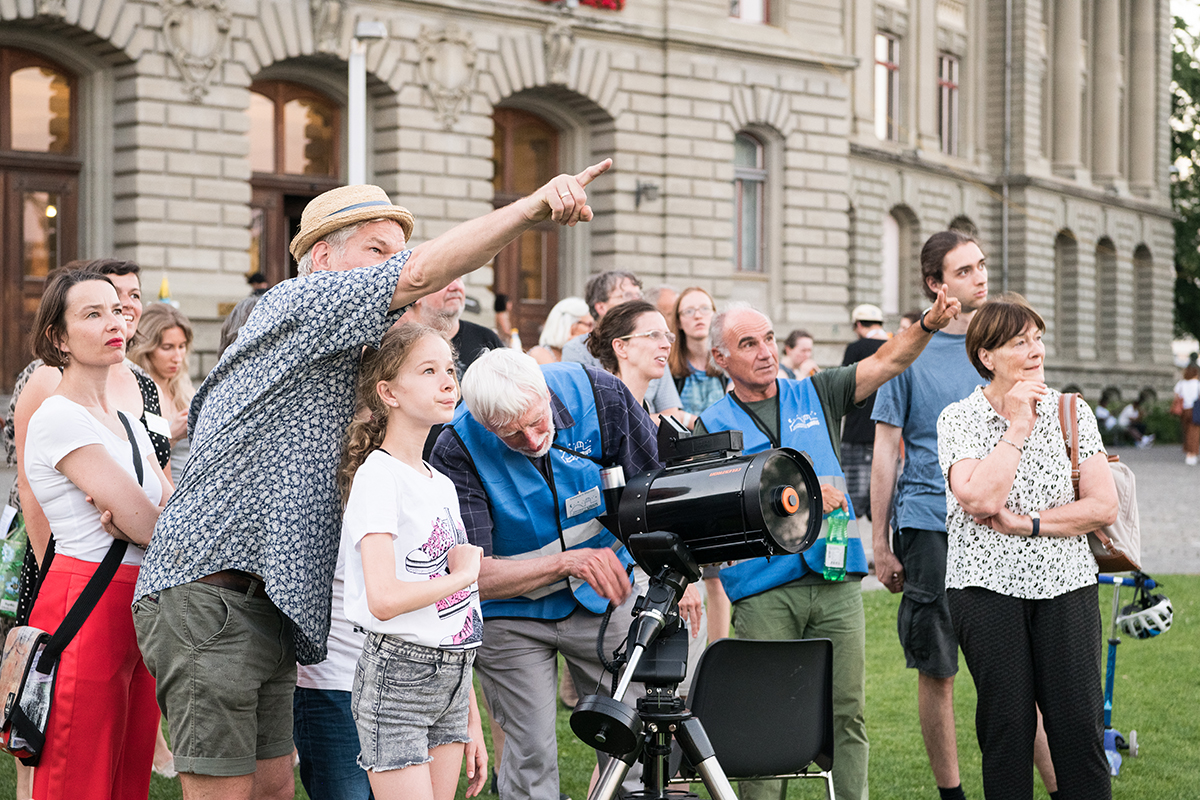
x=1143, y=309
x=39, y=187
x=749, y=198
x=295, y=135
x=900, y=269
x=1063, y=330
x=1106, y=299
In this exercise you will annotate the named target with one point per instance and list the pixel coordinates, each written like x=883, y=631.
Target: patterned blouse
x=259, y=493
x=1018, y=566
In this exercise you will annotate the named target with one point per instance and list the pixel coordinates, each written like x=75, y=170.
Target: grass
x=1156, y=681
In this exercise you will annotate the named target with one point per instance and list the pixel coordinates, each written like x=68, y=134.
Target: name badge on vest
x=584, y=501
x=157, y=424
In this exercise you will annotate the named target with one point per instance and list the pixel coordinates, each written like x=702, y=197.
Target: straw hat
x=344, y=206
x=865, y=313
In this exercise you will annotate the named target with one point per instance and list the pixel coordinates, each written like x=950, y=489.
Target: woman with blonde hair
x=164, y=340
x=569, y=318
x=698, y=379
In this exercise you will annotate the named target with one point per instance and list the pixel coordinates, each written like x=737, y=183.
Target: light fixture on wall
x=644, y=191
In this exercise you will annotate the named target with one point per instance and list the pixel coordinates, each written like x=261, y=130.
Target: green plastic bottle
x=835, y=545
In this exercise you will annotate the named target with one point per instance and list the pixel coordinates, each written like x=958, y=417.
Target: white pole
x=356, y=109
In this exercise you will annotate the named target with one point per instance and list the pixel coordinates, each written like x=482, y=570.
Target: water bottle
x=514, y=341
x=835, y=545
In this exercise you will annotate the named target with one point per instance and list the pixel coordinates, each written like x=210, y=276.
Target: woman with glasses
x=699, y=381
x=633, y=343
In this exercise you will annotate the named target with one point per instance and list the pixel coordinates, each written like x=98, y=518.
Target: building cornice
x=993, y=181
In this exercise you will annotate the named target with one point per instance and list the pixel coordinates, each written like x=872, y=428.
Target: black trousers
x=1044, y=651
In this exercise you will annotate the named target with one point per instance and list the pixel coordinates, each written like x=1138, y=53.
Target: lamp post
x=356, y=106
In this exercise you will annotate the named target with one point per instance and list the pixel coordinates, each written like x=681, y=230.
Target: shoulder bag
x=1117, y=547
x=29, y=665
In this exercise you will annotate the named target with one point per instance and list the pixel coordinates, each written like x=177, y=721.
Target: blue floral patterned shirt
x=259, y=492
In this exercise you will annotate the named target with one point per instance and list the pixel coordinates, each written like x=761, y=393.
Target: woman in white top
x=1020, y=577
x=79, y=460
x=162, y=347
x=1188, y=391
x=569, y=318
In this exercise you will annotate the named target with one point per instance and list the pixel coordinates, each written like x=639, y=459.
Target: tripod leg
x=608, y=785
x=695, y=745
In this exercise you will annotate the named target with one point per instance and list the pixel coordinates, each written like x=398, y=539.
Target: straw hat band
x=347, y=205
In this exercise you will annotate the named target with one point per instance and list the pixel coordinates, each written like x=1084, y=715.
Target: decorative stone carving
x=447, y=70
x=197, y=32
x=327, y=19
x=560, y=44
x=52, y=8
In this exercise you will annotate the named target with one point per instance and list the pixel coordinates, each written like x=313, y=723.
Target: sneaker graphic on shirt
x=471, y=633
x=430, y=558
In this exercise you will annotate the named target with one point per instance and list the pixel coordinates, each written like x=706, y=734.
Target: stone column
x=1068, y=22
x=1143, y=95
x=862, y=41
x=923, y=83
x=1106, y=91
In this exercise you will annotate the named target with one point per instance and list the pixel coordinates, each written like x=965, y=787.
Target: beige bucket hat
x=344, y=206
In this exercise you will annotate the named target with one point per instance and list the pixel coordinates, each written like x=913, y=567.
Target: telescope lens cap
x=787, y=501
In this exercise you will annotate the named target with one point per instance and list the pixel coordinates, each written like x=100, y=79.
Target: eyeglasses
x=655, y=336
x=688, y=313
x=616, y=298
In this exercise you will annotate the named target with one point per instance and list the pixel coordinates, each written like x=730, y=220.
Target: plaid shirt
x=628, y=433
x=259, y=493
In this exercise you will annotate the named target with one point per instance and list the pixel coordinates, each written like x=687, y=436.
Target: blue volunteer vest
x=521, y=498
x=802, y=426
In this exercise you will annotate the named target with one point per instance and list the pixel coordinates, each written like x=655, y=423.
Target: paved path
x=1168, y=509
x=1168, y=504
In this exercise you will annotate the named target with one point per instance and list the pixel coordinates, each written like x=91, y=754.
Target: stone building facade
x=790, y=153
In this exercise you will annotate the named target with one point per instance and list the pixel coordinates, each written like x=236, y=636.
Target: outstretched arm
x=466, y=247
x=894, y=357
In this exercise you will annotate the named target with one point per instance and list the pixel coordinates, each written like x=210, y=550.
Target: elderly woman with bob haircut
x=1020, y=577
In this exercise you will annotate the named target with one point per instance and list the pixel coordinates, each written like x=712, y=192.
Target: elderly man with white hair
x=235, y=585
x=524, y=451
x=788, y=597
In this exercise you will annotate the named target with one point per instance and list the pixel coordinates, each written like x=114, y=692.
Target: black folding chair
x=767, y=707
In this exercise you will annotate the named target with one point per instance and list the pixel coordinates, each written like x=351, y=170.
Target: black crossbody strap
x=96, y=585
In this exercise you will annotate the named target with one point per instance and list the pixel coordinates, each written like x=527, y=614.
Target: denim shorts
x=407, y=700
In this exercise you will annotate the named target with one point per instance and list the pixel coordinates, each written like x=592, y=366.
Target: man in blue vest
x=788, y=597
x=524, y=451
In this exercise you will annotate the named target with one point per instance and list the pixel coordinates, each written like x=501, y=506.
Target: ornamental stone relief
x=52, y=8
x=447, y=70
x=196, y=32
x=327, y=21
x=560, y=44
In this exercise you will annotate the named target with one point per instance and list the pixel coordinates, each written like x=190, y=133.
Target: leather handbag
x=28, y=667
x=1117, y=547
x=1177, y=406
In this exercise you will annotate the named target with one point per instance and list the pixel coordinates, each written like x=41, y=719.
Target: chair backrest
x=767, y=705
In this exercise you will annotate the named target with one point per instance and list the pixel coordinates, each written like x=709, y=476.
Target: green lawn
x=1157, y=682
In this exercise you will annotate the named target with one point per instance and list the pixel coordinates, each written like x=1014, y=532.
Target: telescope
x=708, y=504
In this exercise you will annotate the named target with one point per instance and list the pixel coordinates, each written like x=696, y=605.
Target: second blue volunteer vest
x=802, y=426
x=521, y=498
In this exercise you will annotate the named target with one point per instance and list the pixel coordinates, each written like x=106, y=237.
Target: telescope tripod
x=657, y=648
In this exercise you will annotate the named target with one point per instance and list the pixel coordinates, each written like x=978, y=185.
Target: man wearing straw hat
x=235, y=585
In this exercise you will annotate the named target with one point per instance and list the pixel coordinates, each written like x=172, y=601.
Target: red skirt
x=100, y=736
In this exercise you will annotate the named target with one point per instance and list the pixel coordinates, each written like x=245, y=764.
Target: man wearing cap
x=858, y=431
x=235, y=585
x=788, y=597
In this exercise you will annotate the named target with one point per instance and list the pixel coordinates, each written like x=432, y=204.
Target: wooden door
x=526, y=156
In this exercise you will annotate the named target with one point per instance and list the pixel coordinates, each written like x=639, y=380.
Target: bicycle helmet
x=1149, y=616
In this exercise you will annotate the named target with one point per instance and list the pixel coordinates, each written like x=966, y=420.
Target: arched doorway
x=39, y=190
x=526, y=156
x=294, y=146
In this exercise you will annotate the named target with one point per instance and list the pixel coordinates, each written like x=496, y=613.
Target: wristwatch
x=1037, y=523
